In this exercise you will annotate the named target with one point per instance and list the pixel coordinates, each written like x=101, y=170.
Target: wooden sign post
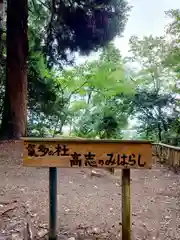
x=78, y=153
x=52, y=202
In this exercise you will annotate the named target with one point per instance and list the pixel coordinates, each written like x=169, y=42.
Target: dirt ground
x=88, y=206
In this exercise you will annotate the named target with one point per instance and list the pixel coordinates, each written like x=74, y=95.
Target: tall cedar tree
x=15, y=103
x=73, y=26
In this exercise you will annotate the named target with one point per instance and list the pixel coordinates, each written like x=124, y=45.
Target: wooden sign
x=76, y=153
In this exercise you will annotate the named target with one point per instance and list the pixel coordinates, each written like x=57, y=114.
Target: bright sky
x=146, y=17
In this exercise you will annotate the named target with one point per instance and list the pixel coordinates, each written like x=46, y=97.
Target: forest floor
x=89, y=207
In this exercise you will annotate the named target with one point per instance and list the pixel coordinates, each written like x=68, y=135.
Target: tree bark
x=159, y=132
x=1, y=25
x=1, y=33
x=14, y=117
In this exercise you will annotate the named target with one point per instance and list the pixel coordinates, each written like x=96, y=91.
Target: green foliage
x=58, y=29
x=106, y=89
x=154, y=103
x=83, y=26
x=58, y=100
x=154, y=114
x=60, y=25
x=172, y=59
x=149, y=53
x=96, y=99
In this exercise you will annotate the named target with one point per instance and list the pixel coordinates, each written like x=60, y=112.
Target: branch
x=59, y=86
x=73, y=92
x=43, y=4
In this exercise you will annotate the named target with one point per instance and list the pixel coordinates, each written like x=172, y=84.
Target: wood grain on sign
x=75, y=153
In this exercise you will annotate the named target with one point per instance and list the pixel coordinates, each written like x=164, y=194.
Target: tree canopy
x=57, y=30
x=79, y=26
x=99, y=98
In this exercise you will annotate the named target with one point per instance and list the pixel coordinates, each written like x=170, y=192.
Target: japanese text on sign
x=70, y=155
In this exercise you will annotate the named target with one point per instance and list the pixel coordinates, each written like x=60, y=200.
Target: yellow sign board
x=76, y=153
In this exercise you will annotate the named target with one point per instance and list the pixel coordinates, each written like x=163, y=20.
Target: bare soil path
x=87, y=205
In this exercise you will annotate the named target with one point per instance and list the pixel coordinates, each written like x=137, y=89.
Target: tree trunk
x=159, y=132
x=1, y=34
x=14, y=117
x=1, y=26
